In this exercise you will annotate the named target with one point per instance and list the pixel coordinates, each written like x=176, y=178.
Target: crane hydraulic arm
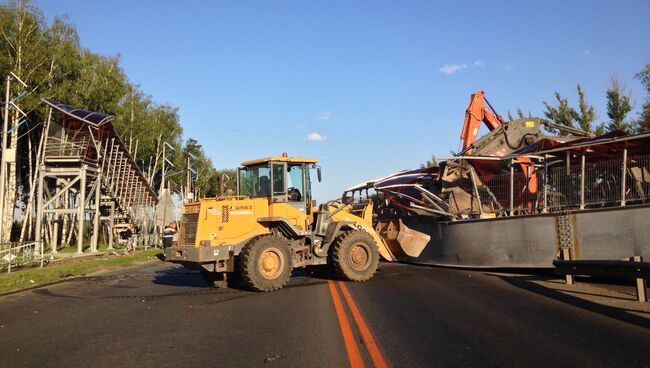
x=477, y=112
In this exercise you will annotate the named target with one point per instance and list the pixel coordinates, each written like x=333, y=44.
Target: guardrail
x=19, y=254
x=633, y=268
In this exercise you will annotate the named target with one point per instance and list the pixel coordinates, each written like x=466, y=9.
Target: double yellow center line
x=354, y=354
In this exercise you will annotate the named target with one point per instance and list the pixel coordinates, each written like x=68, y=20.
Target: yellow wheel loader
x=271, y=226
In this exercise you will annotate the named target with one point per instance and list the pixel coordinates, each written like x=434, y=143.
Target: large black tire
x=354, y=256
x=265, y=263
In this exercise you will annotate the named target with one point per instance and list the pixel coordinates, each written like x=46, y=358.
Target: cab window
x=279, y=189
x=295, y=189
x=255, y=181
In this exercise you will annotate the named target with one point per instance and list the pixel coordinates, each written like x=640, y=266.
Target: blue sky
x=367, y=87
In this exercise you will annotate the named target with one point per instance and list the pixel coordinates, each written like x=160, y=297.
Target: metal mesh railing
x=520, y=199
x=602, y=186
x=563, y=187
x=606, y=183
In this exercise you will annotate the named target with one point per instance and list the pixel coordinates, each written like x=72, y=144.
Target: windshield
x=254, y=181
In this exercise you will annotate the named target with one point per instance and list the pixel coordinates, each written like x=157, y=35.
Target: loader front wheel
x=265, y=263
x=354, y=256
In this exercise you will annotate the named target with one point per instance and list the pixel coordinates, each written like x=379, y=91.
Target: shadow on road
x=196, y=279
x=181, y=277
x=527, y=283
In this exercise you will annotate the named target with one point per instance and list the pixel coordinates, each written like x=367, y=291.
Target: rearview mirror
x=319, y=174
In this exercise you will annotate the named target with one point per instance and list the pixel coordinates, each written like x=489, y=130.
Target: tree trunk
x=34, y=172
x=10, y=194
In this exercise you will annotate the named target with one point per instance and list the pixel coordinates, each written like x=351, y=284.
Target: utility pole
x=191, y=176
x=165, y=163
x=162, y=180
x=163, y=192
x=3, y=168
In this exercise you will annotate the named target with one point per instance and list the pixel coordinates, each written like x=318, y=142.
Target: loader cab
x=281, y=179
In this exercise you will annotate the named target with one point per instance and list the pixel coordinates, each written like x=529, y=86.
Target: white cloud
x=324, y=116
x=315, y=137
x=586, y=52
x=479, y=63
x=451, y=69
x=508, y=67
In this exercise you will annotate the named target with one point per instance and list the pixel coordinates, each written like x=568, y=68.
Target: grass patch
x=69, y=268
x=86, y=248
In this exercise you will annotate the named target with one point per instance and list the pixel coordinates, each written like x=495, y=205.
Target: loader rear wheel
x=354, y=256
x=265, y=263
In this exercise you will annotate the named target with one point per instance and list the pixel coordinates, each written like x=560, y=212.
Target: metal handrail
x=17, y=254
x=604, y=268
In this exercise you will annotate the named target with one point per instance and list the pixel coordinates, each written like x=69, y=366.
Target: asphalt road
x=159, y=315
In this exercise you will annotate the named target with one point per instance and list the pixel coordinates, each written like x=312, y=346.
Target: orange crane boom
x=477, y=112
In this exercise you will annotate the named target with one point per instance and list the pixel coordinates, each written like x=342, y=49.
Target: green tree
x=147, y=125
x=229, y=178
x=51, y=61
x=586, y=114
x=433, y=162
x=561, y=114
x=22, y=28
x=643, y=124
x=564, y=114
x=618, y=106
x=205, y=182
x=520, y=115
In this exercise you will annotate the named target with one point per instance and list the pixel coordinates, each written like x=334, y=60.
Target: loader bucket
x=401, y=240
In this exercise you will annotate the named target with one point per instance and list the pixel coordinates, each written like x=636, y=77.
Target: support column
x=641, y=283
x=566, y=255
x=111, y=219
x=55, y=218
x=98, y=196
x=81, y=211
x=39, y=209
x=623, y=177
x=512, y=188
x=545, y=209
x=582, y=181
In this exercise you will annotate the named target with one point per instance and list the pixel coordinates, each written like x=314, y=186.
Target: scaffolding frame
x=87, y=171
